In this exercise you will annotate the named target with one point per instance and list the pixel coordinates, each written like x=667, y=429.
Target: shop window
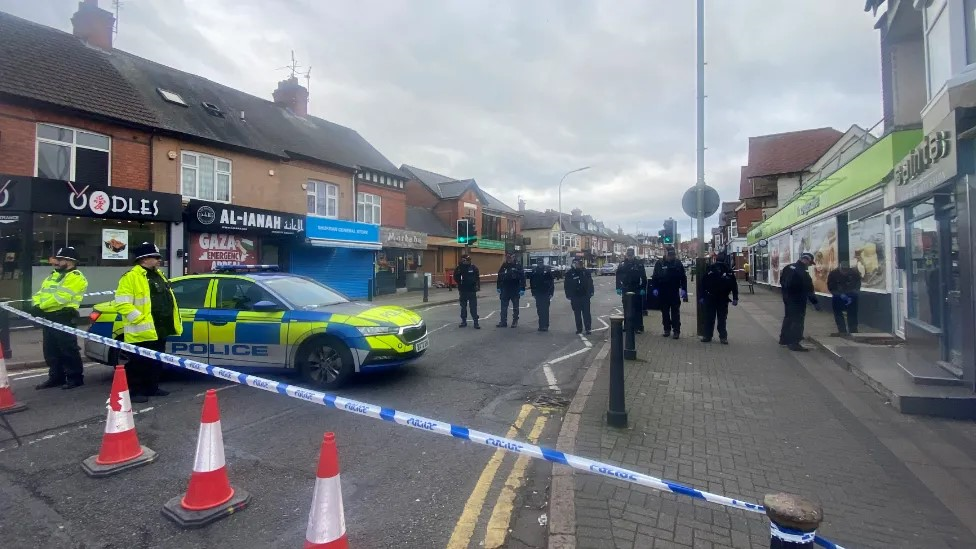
x=72, y=155
x=191, y=293
x=970, y=15
x=323, y=199
x=206, y=177
x=924, y=286
x=368, y=208
x=938, y=60
x=240, y=295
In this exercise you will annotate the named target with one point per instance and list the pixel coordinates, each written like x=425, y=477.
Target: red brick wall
x=419, y=195
x=18, y=132
x=745, y=218
x=393, y=212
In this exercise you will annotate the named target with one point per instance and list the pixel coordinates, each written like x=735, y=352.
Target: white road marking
x=605, y=325
x=487, y=316
x=39, y=372
x=441, y=328
x=565, y=357
x=550, y=378
x=585, y=341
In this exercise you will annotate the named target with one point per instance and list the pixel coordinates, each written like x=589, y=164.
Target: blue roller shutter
x=345, y=269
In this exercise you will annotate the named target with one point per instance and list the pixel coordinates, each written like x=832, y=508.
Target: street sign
x=710, y=202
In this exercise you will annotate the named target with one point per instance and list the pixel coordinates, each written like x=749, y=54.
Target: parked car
x=608, y=269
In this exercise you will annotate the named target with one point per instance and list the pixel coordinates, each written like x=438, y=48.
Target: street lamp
x=561, y=201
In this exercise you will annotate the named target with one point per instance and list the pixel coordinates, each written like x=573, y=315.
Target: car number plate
x=421, y=345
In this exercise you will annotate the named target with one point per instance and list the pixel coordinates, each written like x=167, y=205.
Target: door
x=241, y=336
x=192, y=297
x=900, y=297
x=954, y=306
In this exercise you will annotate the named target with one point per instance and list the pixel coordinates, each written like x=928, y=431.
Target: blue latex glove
x=521, y=293
x=654, y=292
x=843, y=297
x=620, y=292
x=683, y=294
x=643, y=292
x=735, y=302
x=499, y=290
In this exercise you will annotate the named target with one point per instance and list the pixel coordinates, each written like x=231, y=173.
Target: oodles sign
x=209, y=251
x=65, y=197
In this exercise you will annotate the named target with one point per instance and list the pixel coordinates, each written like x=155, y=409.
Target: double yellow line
x=501, y=514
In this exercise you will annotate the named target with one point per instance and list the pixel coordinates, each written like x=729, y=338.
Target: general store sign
x=215, y=217
x=326, y=231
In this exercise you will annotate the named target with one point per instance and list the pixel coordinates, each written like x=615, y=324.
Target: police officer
x=631, y=277
x=578, y=286
x=670, y=287
x=510, y=287
x=150, y=314
x=468, y=280
x=718, y=281
x=844, y=284
x=543, y=286
x=58, y=300
x=797, y=287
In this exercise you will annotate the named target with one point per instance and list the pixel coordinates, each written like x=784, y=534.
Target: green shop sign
x=862, y=173
x=491, y=244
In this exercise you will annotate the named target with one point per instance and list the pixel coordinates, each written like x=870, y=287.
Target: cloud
x=515, y=93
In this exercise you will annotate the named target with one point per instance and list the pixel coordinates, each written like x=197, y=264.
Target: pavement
x=401, y=487
x=749, y=419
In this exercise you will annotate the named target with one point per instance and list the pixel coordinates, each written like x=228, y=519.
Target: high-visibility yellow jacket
x=132, y=302
x=61, y=291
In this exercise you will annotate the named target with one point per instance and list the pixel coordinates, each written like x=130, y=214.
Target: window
x=72, y=155
x=970, y=14
x=171, y=97
x=368, y=208
x=323, y=199
x=240, y=295
x=191, y=293
x=491, y=227
x=206, y=177
x=938, y=60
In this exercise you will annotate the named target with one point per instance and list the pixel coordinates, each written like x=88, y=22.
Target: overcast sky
x=516, y=93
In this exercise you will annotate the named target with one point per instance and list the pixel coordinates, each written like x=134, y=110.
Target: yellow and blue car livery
x=265, y=321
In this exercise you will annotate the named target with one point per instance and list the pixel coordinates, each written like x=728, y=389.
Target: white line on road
x=585, y=341
x=28, y=374
x=605, y=325
x=565, y=357
x=487, y=316
x=550, y=378
x=441, y=328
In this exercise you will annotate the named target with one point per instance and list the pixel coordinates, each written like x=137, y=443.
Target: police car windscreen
x=303, y=293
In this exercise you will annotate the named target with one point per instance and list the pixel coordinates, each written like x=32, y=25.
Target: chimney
x=292, y=95
x=93, y=24
x=521, y=205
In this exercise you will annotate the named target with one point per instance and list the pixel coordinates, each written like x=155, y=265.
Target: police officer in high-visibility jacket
x=58, y=300
x=150, y=314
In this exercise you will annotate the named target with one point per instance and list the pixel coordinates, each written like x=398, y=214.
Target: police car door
x=193, y=297
x=241, y=336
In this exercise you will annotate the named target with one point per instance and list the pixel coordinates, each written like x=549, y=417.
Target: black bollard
x=630, y=322
x=425, y=287
x=617, y=412
x=793, y=521
x=369, y=290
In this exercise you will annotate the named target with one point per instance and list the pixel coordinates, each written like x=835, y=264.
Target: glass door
x=952, y=352
x=900, y=297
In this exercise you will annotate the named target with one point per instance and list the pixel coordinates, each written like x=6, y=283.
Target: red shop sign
x=209, y=251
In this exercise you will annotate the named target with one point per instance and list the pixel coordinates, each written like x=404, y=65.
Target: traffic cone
x=326, y=520
x=209, y=496
x=8, y=404
x=120, y=449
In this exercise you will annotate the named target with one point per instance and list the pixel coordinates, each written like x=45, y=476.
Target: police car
x=258, y=319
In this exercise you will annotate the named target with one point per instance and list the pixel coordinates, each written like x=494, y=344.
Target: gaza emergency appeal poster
x=209, y=251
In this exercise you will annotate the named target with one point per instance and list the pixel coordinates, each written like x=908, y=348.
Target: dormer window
x=171, y=97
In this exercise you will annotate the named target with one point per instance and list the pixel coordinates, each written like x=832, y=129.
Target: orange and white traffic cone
x=326, y=520
x=209, y=497
x=8, y=404
x=120, y=449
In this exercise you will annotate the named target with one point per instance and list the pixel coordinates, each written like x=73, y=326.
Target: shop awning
x=328, y=243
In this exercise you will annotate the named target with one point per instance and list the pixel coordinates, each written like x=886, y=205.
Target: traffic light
x=467, y=233
x=667, y=235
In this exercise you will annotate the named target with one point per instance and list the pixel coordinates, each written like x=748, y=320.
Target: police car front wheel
x=325, y=362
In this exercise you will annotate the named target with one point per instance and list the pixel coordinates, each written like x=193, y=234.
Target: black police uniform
x=578, y=285
x=468, y=280
x=718, y=281
x=543, y=286
x=511, y=283
x=844, y=284
x=631, y=277
x=669, y=278
x=797, y=288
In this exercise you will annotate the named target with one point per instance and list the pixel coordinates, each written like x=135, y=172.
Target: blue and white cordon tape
x=411, y=420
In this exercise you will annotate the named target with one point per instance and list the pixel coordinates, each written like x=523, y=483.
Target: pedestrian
x=510, y=287
x=718, y=281
x=58, y=301
x=797, y=287
x=150, y=314
x=543, y=286
x=579, y=290
x=844, y=284
x=631, y=277
x=468, y=280
x=670, y=287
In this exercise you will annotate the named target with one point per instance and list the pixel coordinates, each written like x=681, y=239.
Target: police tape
x=106, y=292
x=411, y=420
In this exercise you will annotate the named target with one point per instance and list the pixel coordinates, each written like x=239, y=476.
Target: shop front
x=488, y=255
x=38, y=216
x=932, y=201
x=225, y=234
x=400, y=259
x=338, y=253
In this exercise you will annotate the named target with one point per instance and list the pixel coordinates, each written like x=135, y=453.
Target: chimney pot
x=292, y=95
x=93, y=24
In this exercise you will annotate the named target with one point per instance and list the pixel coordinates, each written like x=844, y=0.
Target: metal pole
x=793, y=521
x=616, y=412
x=630, y=321
x=701, y=125
x=425, y=287
x=369, y=290
x=560, y=206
